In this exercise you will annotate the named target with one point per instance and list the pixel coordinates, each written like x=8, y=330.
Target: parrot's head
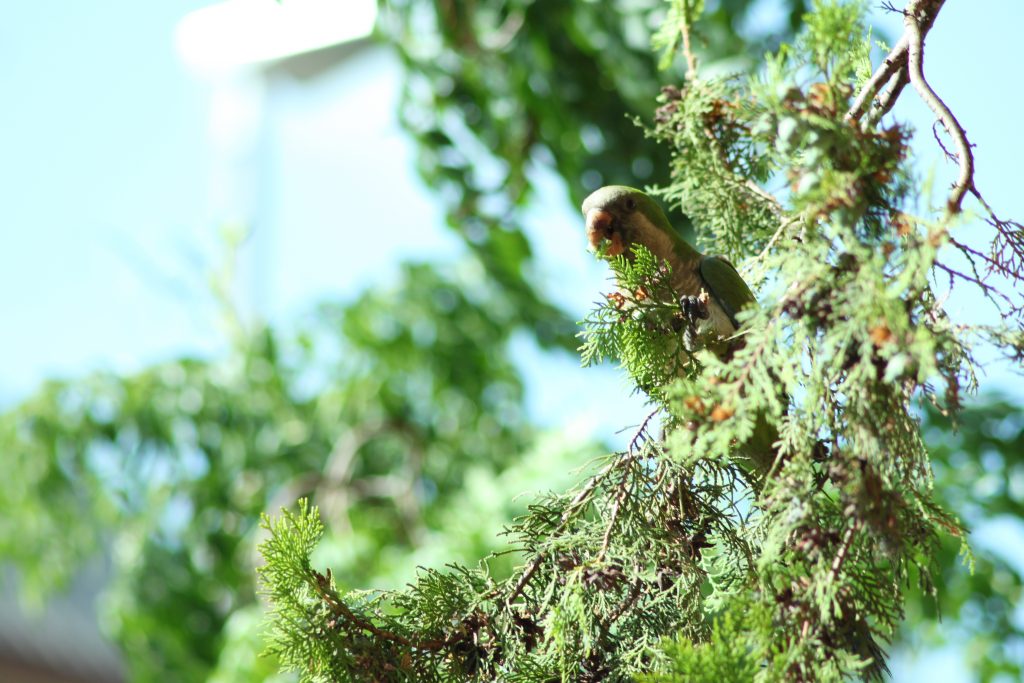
x=624, y=216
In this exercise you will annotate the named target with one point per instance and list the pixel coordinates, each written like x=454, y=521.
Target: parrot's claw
x=694, y=307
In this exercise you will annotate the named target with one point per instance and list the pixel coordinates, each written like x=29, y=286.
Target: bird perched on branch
x=709, y=289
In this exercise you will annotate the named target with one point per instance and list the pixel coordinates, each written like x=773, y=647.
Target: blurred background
x=254, y=251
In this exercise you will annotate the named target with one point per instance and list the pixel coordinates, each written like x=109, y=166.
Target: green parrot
x=710, y=290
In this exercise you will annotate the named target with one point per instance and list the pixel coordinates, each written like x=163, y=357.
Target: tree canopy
x=401, y=415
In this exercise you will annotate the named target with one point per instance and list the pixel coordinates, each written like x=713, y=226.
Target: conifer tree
x=669, y=562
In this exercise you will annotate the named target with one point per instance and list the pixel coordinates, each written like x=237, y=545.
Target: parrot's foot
x=695, y=307
x=692, y=309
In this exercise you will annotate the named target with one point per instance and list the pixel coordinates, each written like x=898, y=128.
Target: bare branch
x=903, y=64
x=893, y=69
x=885, y=103
x=1008, y=246
x=894, y=62
x=913, y=21
x=991, y=293
x=991, y=264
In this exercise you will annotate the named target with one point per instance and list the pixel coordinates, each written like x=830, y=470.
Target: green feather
x=723, y=282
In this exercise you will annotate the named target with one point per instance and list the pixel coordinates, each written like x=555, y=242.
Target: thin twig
x=913, y=21
x=991, y=265
x=1008, y=246
x=627, y=604
x=638, y=435
x=623, y=490
x=684, y=28
x=991, y=293
x=940, y=143
x=893, y=62
x=775, y=238
x=885, y=103
x=844, y=549
x=578, y=501
x=340, y=609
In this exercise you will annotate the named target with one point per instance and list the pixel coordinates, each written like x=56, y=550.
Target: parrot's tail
x=761, y=448
x=861, y=642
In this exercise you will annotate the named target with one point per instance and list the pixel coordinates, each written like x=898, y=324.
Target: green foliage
x=798, y=575
x=400, y=413
x=379, y=410
x=978, y=463
x=290, y=583
x=642, y=326
x=497, y=87
x=669, y=38
x=725, y=656
x=831, y=25
x=582, y=609
x=713, y=154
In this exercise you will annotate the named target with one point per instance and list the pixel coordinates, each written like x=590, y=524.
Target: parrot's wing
x=723, y=282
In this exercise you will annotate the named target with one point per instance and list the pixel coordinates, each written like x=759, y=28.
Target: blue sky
x=102, y=133
x=114, y=191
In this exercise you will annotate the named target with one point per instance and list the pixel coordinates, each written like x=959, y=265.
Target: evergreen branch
x=635, y=445
x=639, y=435
x=808, y=551
x=577, y=503
x=628, y=603
x=684, y=29
x=621, y=460
x=844, y=549
x=731, y=176
x=340, y=609
x=623, y=489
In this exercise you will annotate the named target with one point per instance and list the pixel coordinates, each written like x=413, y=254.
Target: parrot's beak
x=599, y=229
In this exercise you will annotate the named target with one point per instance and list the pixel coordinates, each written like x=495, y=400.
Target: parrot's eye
x=630, y=203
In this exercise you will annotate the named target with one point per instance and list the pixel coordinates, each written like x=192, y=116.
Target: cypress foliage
x=669, y=562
